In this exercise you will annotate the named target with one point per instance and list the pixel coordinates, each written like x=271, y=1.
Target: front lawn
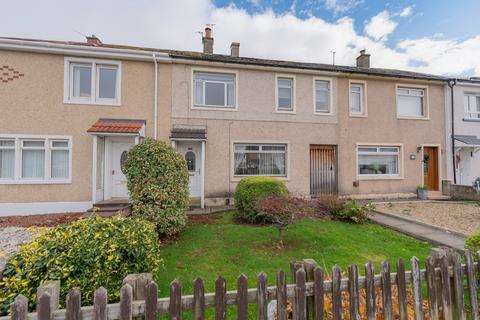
x=222, y=247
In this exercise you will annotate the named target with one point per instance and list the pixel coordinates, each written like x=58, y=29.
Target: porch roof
x=118, y=126
x=468, y=140
x=188, y=132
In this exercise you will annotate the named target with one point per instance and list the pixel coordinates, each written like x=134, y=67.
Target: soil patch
x=39, y=220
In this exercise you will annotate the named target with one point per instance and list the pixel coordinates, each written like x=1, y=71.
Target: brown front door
x=323, y=172
x=430, y=167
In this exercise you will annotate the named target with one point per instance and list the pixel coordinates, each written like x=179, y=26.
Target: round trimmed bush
x=157, y=180
x=249, y=190
x=85, y=254
x=472, y=243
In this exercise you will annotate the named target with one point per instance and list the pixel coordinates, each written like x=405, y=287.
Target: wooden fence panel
x=73, y=304
x=220, y=299
x=126, y=301
x=417, y=289
x=175, y=307
x=431, y=289
x=336, y=293
x=151, y=299
x=262, y=297
x=401, y=290
x=100, y=301
x=370, y=290
x=446, y=289
x=386, y=291
x=300, y=295
x=353, y=292
x=319, y=294
x=44, y=308
x=459, y=303
x=20, y=308
x=472, y=285
x=242, y=297
x=281, y=296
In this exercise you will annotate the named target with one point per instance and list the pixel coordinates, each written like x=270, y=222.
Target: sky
x=432, y=36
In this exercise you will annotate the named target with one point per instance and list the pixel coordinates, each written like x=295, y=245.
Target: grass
x=229, y=249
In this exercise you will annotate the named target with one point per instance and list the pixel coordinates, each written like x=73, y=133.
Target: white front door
x=191, y=153
x=119, y=181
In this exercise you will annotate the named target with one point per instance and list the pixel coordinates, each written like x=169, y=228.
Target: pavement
x=422, y=231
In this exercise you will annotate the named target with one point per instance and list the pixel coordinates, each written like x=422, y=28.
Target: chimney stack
x=235, y=49
x=94, y=40
x=207, y=41
x=363, y=60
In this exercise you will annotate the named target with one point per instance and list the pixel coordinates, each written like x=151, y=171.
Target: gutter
x=451, y=84
x=79, y=50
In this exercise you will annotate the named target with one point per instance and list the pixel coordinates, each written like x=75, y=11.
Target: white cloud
x=341, y=6
x=380, y=26
x=166, y=24
x=406, y=12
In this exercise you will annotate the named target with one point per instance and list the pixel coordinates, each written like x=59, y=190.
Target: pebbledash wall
x=33, y=104
x=255, y=120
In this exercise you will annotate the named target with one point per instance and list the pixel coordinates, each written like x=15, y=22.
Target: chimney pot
x=363, y=60
x=207, y=41
x=235, y=49
x=94, y=40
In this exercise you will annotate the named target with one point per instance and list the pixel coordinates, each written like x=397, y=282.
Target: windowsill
x=323, y=113
x=238, y=178
x=358, y=115
x=93, y=103
x=412, y=118
x=470, y=120
x=68, y=181
x=379, y=177
x=212, y=108
x=285, y=111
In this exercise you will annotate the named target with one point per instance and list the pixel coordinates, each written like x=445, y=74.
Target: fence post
x=198, y=299
x=319, y=294
x=472, y=284
x=100, y=301
x=126, y=299
x=370, y=290
x=220, y=299
x=138, y=282
x=386, y=291
x=242, y=297
x=44, y=307
x=73, y=304
x=151, y=299
x=353, y=292
x=310, y=265
x=294, y=267
x=432, y=292
x=19, y=308
x=52, y=287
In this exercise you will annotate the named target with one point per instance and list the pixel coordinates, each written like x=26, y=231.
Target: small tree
x=280, y=210
x=157, y=180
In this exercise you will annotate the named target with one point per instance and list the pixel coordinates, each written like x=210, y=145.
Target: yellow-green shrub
x=85, y=254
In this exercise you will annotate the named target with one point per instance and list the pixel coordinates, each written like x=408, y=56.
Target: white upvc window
x=322, y=96
x=411, y=102
x=214, y=90
x=357, y=99
x=92, y=81
x=285, y=93
x=472, y=106
x=34, y=159
x=378, y=161
x=251, y=159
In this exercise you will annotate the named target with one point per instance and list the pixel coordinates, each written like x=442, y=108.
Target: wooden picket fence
x=448, y=285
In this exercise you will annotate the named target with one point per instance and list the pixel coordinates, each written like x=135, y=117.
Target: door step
x=110, y=208
x=437, y=195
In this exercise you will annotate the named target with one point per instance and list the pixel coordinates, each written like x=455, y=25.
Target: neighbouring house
x=71, y=110
x=466, y=130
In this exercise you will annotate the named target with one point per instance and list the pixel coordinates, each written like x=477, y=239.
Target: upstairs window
x=285, y=94
x=214, y=90
x=411, y=102
x=322, y=96
x=92, y=82
x=357, y=99
x=472, y=106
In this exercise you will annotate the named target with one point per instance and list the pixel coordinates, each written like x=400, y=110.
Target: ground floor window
x=260, y=159
x=37, y=159
x=378, y=160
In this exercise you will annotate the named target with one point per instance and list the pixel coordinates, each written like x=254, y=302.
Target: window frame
x=465, y=113
x=236, y=178
x=14, y=156
x=47, y=146
x=195, y=106
x=363, y=99
x=400, y=152
x=425, y=106
x=330, y=104
x=294, y=96
x=95, y=64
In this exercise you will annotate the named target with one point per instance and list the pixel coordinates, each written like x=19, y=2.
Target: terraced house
x=70, y=112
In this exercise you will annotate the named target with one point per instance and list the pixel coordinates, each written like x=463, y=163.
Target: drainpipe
x=451, y=84
x=155, y=98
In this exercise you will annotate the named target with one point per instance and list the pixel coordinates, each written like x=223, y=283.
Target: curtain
x=33, y=164
x=378, y=164
x=239, y=165
x=60, y=163
x=410, y=105
x=7, y=164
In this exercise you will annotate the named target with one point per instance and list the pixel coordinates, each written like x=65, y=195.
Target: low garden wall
x=460, y=192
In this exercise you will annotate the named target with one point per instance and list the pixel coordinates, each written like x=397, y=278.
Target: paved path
x=421, y=231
